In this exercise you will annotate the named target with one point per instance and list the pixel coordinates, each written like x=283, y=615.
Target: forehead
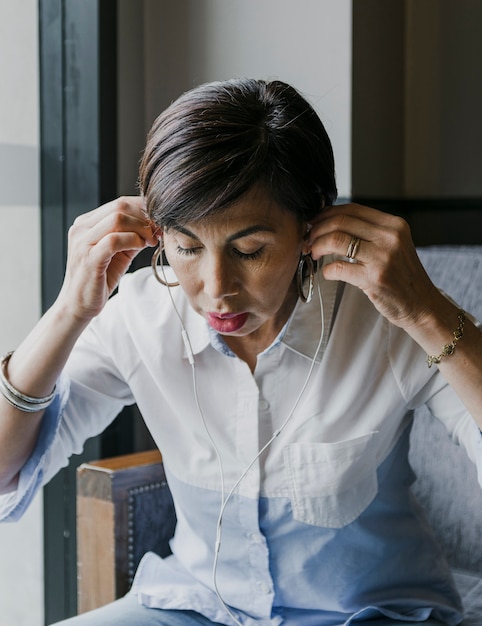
x=256, y=209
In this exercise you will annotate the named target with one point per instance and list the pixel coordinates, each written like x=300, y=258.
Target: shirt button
x=255, y=538
x=263, y=587
x=263, y=404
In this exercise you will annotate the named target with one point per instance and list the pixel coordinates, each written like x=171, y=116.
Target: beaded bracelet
x=449, y=348
x=16, y=398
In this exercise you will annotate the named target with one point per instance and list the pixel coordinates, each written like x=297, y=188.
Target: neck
x=248, y=347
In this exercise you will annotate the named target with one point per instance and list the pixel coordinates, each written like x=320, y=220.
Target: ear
x=157, y=231
x=306, y=248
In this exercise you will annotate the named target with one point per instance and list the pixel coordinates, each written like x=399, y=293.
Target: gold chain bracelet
x=449, y=348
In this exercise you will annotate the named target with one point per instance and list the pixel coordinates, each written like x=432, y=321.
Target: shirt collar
x=217, y=341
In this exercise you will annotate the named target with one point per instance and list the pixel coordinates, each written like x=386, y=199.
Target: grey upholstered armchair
x=446, y=481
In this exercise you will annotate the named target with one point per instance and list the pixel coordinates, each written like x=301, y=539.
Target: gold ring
x=353, y=248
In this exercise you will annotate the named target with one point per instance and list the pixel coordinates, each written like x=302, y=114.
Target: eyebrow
x=245, y=232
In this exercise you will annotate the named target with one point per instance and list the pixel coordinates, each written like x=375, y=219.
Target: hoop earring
x=154, y=264
x=305, y=258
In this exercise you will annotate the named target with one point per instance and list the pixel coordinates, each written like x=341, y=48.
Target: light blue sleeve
x=13, y=505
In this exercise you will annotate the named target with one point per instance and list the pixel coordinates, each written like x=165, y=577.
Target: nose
x=220, y=280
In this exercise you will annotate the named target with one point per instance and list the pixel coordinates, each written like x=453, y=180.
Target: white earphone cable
x=225, y=498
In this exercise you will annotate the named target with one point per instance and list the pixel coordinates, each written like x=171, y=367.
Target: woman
x=279, y=393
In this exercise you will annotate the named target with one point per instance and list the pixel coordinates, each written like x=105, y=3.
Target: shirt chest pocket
x=330, y=484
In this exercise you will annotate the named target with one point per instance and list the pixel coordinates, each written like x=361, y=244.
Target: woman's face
x=237, y=268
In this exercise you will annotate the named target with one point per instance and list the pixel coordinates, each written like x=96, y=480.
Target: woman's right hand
x=102, y=245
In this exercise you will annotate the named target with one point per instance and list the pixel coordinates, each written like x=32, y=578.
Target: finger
x=122, y=223
x=132, y=207
x=117, y=216
x=343, y=245
x=92, y=276
x=363, y=222
x=353, y=225
x=130, y=204
x=334, y=233
x=339, y=269
x=352, y=210
x=112, y=244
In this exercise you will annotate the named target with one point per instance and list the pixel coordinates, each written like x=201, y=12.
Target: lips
x=227, y=322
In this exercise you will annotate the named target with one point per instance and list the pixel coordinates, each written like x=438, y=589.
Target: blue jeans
x=128, y=612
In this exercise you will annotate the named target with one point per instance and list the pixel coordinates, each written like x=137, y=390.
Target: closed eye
x=248, y=256
x=187, y=251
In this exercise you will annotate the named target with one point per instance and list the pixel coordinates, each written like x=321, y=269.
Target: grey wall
x=21, y=572
x=417, y=88
x=168, y=47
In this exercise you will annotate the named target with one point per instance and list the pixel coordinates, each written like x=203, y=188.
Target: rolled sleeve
x=13, y=505
x=446, y=406
x=476, y=445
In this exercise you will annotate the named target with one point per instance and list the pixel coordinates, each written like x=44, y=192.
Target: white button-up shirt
x=321, y=527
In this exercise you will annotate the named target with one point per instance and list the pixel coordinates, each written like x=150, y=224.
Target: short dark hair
x=217, y=141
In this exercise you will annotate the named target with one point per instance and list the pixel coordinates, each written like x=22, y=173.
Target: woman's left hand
x=385, y=267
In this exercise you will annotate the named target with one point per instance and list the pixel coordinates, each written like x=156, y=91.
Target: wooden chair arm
x=124, y=509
